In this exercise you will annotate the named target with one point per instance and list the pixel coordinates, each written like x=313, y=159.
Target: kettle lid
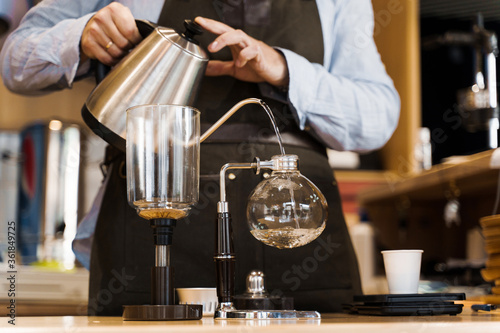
x=186, y=40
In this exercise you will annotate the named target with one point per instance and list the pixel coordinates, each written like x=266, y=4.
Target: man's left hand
x=253, y=60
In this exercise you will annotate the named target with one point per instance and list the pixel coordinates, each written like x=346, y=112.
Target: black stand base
x=162, y=288
x=162, y=312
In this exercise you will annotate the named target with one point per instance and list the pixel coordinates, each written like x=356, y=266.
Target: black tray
x=409, y=298
x=406, y=304
x=404, y=310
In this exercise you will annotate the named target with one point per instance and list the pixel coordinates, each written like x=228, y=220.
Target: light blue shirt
x=349, y=102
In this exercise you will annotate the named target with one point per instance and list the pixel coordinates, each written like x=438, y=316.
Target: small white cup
x=402, y=269
x=204, y=296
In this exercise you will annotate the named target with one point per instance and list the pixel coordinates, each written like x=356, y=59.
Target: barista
x=324, y=80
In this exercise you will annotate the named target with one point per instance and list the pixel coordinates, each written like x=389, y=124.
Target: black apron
x=320, y=276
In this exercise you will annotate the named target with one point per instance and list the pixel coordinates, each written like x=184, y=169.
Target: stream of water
x=282, y=150
x=275, y=126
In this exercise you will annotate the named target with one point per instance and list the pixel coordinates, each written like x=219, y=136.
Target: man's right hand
x=109, y=34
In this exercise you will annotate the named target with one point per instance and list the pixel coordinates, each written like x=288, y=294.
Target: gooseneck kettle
x=165, y=68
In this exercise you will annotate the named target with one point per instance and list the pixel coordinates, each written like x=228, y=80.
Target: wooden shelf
x=470, y=174
x=376, y=176
x=408, y=211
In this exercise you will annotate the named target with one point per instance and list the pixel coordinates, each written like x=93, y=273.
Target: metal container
x=165, y=68
x=9, y=170
x=48, y=193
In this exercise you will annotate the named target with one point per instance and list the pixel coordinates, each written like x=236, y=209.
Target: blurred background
x=422, y=190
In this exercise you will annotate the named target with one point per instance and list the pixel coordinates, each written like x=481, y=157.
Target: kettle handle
x=145, y=28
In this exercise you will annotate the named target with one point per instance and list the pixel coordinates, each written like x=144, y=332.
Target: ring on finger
x=110, y=43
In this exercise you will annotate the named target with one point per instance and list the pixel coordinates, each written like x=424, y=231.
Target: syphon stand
x=225, y=256
x=162, y=305
x=146, y=124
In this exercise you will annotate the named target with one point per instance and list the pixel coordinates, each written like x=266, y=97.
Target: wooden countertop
x=466, y=322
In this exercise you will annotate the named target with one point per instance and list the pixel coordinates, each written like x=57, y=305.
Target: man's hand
x=253, y=60
x=109, y=34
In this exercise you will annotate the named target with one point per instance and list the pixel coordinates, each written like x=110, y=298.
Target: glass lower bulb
x=286, y=210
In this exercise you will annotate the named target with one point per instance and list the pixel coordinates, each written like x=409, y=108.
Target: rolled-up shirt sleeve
x=349, y=102
x=43, y=54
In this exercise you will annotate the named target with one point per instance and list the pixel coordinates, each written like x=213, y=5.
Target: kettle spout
x=228, y=114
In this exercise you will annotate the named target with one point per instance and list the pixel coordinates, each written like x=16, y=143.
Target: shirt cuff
x=70, y=52
x=299, y=94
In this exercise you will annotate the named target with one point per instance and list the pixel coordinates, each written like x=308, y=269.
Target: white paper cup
x=204, y=296
x=402, y=269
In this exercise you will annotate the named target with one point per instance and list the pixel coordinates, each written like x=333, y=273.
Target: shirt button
x=231, y=176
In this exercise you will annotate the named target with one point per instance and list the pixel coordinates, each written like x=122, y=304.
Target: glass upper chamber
x=163, y=153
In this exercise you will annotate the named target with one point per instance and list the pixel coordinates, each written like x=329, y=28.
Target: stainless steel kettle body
x=165, y=68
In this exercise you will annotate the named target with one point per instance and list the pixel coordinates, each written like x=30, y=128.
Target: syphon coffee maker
x=162, y=140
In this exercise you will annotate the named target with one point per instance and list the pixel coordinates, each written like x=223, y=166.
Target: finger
x=108, y=56
x=106, y=19
x=95, y=42
x=125, y=24
x=219, y=68
x=232, y=38
x=119, y=41
x=114, y=50
x=104, y=56
x=213, y=26
x=248, y=54
x=93, y=38
x=118, y=25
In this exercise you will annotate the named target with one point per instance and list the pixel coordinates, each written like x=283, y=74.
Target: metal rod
x=227, y=115
x=230, y=166
x=162, y=255
x=491, y=79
